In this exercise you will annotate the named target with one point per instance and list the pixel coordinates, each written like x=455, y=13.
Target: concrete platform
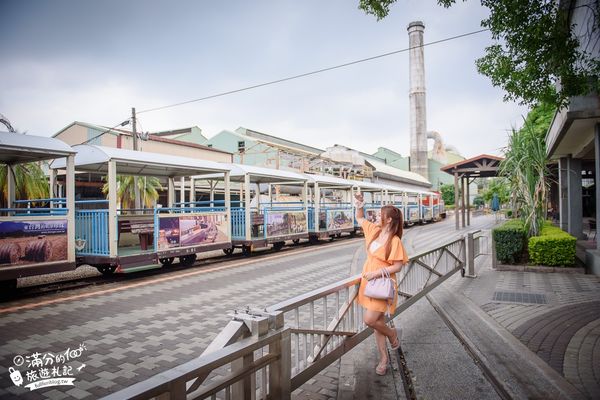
x=504, y=334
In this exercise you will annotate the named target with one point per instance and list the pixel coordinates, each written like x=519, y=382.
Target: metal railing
x=91, y=232
x=269, y=353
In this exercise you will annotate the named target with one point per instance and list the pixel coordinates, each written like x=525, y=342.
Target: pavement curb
x=511, y=367
x=540, y=269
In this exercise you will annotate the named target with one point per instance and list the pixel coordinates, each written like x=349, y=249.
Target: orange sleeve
x=397, y=252
x=369, y=229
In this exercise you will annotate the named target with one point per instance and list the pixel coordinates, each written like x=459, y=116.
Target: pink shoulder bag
x=382, y=288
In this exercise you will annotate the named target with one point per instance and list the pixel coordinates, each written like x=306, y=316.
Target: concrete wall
x=582, y=17
x=437, y=177
x=194, y=136
x=77, y=134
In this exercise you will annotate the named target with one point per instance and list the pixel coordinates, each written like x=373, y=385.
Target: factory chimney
x=418, y=115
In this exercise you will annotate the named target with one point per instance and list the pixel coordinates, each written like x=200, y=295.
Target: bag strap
x=385, y=273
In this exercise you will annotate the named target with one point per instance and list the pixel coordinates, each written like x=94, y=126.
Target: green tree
x=478, y=201
x=534, y=50
x=499, y=187
x=526, y=168
x=149, y=187
x=447, y=194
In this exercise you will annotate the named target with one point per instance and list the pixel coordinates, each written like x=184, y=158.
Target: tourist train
x=208, y=206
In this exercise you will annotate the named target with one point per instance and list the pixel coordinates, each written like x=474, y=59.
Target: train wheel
x=278, y=246
x=228, y=251
x=7, y=288
x=295, y=241
x=353, y=234
x=313, y=240
x=246, y=250
x=167, y=261
x=190, y=259
x=338, y=235
x=331, y=238
x=106, y=269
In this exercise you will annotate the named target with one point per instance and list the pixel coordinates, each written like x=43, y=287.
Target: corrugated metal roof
x=277, y=141
x=383, y=168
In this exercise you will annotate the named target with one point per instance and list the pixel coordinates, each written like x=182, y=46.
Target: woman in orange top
x=384, y=250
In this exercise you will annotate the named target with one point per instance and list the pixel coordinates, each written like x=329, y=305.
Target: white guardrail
x=268, y=353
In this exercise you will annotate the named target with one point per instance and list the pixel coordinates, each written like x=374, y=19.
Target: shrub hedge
x=510, y=240
x=553, y=247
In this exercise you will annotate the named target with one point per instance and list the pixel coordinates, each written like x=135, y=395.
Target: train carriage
x=331, y=209
x=37, y=236
x=112, y=237
x=264, y=215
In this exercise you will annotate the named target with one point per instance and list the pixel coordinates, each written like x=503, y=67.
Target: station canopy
x=16, y=148
x=258, y=174
x=406, y=189
x=91, y=158
x=483, y=166
x=368, y=186
x=329, y=181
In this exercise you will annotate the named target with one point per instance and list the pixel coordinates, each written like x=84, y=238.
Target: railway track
x=32, y=291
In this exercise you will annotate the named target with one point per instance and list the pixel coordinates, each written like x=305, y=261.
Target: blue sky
x=93, y=60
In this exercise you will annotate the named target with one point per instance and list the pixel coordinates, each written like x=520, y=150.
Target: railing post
x=246, y=388
x=258, y=325
x=470, y=255
x=280, y=372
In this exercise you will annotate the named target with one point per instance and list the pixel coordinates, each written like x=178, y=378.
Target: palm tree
x=149, y=187
x=30, y=182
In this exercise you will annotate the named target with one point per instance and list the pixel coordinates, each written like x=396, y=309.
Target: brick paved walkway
x=564, y=332
x=135, y=333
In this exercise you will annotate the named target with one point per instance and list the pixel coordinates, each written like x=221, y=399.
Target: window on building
x=241, y=146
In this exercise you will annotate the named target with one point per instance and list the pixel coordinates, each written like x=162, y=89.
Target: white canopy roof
x=259, y=174
x=20, y=148
x=92, y=158
x=327, y=180
x=368, y=186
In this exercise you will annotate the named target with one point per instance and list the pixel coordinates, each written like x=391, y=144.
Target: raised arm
x=359, y=211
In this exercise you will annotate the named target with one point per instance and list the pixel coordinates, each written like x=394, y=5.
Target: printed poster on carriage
x=340, y=219
x=283, y=223
x=373, y=215
x=32, y=242
x=192, y=230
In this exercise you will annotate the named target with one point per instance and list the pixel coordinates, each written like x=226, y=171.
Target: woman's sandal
x=381, y=370
x=396, y=343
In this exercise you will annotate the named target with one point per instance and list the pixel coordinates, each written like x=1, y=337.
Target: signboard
x=340, y=219
x=282, y=223
x=413, y=213
x=32, y=242
x=187, y=230
x=373, y=215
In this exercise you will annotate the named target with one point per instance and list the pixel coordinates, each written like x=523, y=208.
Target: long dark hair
x=396, y=225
